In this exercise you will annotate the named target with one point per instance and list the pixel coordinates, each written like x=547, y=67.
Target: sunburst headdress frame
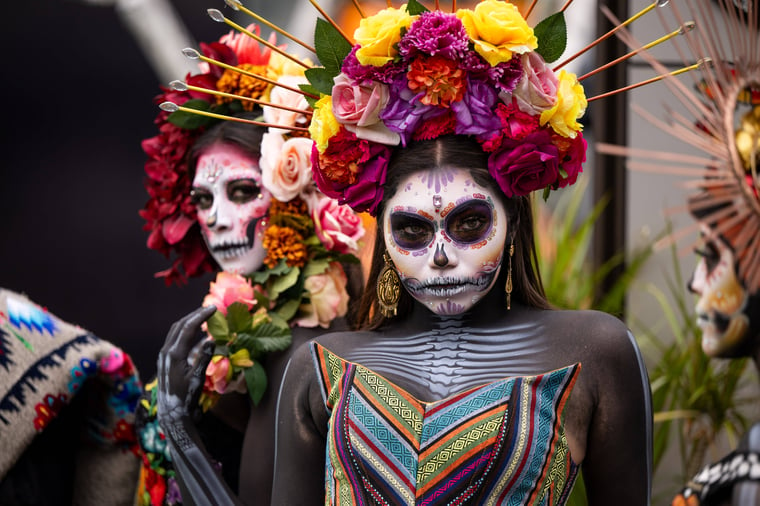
x=413, y=73
x=722, y=125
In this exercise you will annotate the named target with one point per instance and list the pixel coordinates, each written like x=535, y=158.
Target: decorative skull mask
x=231, y=204
x=445, y=235
x=725, y=307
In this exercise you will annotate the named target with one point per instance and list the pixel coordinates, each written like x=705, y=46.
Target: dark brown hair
x=465, y=152
x=243, y=135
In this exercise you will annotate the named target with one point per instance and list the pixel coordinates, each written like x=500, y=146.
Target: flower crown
x=416, y=74
x=245, y=76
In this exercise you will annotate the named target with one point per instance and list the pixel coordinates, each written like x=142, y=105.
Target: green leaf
x=320, y=79
x=262, y=277
x=279, y=321
x=312, y=90
x=217, y=327
x=552, y=37
x=315, y=267
x=266, y=338
x=256, y=381
x=284, y=282
x=414, y=8
x=238, y=317
x=289, y=309
x=331, y=47
x=189, y=120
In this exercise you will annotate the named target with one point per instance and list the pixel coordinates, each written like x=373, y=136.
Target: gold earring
x=388, y=288
x=508, y=288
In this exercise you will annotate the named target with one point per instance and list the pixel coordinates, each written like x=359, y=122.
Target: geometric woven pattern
x=499, y=443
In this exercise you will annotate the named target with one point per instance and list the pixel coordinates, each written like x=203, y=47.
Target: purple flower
x=367, y=192
x=435, y=33
x=521, y=167
x=173, y=495
x=475, y=112
x=506, y=75
x=404, y=111
x=362, y=73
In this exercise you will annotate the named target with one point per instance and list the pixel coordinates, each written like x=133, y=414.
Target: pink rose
x=218, y=374
x=337, y=226
x=328, y=298
x=228, y=289
x=287, y=98
x=537, y=90
x=358, y=108
x=572, y=154
x=285, y=165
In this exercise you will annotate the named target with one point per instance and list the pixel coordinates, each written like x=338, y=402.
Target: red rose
x=521, y=167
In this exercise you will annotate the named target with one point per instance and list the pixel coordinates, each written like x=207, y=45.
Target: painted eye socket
x=411, y=231
x=201, y=198
x=470, y=222
x=710, y=254
x=241, y=191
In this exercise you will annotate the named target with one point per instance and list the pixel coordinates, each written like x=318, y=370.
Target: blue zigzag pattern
x=16, y=396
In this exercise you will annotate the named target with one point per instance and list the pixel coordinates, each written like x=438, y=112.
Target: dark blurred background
x=78, y=100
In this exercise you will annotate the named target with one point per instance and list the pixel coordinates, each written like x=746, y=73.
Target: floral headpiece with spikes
x=722, y=127
x=308, y=235
x=416, y=74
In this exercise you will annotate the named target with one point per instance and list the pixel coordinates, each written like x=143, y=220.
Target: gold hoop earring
x=508, y=288
x=388, y=288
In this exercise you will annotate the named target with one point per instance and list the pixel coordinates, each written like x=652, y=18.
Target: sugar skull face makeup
x=723, y=301
x=231, y=205
x=445, y=235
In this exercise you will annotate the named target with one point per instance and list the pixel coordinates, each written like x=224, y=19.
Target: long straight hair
x=464, y=152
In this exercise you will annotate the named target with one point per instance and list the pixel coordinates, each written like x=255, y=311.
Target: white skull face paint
x=445, y=235
x=231, y=205
x=722, y=304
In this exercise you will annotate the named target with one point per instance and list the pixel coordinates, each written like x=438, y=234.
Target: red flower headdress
x=169, y=214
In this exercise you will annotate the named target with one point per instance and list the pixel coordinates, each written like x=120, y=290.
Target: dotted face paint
x=445, y=235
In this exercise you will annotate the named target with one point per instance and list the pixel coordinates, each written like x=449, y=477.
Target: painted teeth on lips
x=231, y=250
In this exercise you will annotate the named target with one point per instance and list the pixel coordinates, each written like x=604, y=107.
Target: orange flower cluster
x=440, y=79
x=296, y=206
x=284, y=242
x=240, y=84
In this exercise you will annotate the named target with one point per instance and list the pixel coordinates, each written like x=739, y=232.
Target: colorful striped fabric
x=500, y=443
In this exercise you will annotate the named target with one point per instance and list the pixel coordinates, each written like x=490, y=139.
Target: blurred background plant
x=700, y=406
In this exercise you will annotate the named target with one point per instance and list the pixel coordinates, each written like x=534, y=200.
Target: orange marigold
x=243, y=85
x=440, y=79
x=284, y=242
x=294, y=206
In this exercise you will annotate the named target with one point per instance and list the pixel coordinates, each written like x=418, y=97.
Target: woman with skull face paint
x=245, y=191
x=463, y=386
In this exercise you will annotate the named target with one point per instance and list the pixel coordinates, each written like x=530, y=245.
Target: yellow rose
x=323, y=123
x=570, y=105
x=378, y=35
x=497, y=30
x=281, y=66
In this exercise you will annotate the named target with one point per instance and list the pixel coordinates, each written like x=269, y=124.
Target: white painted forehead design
x=231, y=205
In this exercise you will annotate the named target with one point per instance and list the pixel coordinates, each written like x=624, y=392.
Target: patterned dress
x=499, y=443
